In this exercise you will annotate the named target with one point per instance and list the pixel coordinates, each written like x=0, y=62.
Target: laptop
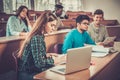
x=77, y=59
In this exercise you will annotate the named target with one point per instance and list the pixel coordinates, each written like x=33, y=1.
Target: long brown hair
x=38, y=28
x=20, y=10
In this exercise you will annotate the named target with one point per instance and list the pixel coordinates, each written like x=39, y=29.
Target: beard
x=83, y=30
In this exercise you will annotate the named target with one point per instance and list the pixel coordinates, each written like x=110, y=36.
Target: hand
x=51, y=55
x=109, y=44
x=26, y=18
x=100, y=43
x=59, y=59
x=23, y=33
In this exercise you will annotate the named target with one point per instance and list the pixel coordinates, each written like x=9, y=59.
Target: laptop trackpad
x=62, y=69
x=59, y=68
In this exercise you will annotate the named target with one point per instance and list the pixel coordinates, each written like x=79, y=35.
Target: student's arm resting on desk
x=104, y=37
x=39, y=53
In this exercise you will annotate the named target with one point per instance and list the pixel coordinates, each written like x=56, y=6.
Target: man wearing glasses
x=79, y=36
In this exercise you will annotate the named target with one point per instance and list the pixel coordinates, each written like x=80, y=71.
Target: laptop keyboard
x=62, y=69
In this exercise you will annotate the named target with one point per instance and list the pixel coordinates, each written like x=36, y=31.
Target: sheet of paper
x=99, y=51
x=98, y=54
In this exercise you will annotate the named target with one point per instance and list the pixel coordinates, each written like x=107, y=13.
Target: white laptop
x=77, y=59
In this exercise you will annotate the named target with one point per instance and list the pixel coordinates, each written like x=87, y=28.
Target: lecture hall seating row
x=10, y=44
x=70, y=22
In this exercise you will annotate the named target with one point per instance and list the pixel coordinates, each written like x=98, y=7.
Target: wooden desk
x=69, y=23
x=12, y=43
x=89, y=74
x=7, y=46
x=55, y=38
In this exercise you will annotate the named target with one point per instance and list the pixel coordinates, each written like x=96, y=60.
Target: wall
x=110, y=7
x=1, y=5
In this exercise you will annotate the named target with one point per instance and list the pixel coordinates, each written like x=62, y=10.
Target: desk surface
x=100, y=63
x=13, y=38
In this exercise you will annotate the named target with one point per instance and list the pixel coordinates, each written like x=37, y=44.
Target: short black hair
x=58, y=6
x=80, y=18
x=98, y=12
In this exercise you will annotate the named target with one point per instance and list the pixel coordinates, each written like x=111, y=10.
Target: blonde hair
x=38, y=28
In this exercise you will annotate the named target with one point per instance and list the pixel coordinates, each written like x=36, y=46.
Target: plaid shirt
x=34, y=56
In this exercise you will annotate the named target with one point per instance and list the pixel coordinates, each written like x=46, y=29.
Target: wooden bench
x=114, y=31
x=110, y=22
x=72, y=23
x=74, y=14
x=10, y=44
x=3, y=21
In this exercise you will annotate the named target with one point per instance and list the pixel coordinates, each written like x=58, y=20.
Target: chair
x=11, y=74
x=15, y=63
x=14, y=55
x=58, y=48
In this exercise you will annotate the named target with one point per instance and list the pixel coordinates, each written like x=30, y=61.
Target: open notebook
x=99, y=51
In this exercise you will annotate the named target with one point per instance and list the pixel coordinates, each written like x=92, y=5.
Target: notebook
x=99, y=51
x=77, y=59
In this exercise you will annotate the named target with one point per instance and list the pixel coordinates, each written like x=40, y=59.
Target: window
x=8, y=8
x=71, y=5
x=41, y=5
x=21, y=2
x=12, y=5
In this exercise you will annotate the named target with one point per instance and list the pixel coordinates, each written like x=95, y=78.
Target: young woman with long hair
x=19, y=24
x=32, y=55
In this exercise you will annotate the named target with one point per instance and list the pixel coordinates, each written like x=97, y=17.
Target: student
x=78, y=37
x=58, y=12
x=19, y=24
x=32, y=55
x=96, y=30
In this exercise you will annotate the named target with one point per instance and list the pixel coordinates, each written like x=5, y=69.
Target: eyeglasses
x=85, y=23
